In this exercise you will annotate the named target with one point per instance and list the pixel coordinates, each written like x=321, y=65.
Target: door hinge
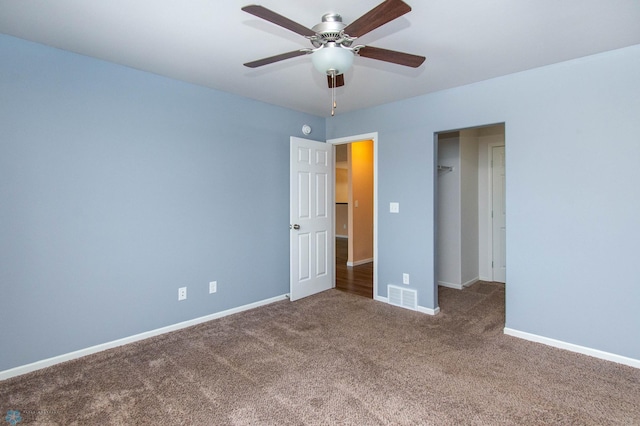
x=492, y=214
x=492, y=264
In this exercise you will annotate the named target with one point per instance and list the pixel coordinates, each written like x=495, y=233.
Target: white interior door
x=499, y=226
x=311, y=217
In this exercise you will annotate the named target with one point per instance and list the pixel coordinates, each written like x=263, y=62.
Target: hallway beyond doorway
x=352, y=279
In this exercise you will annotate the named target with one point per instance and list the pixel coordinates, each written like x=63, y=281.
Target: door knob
x=296, y=226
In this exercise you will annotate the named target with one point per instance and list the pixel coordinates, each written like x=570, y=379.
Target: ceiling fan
x=332, y=40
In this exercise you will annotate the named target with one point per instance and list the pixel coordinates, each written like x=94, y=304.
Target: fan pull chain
x=333, y=93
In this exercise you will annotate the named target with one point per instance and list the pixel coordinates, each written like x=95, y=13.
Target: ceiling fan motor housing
x=330, y=30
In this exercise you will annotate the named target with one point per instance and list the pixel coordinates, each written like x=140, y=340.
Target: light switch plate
x=394, y=207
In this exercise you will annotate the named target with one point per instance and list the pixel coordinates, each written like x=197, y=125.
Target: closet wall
x=457, y=226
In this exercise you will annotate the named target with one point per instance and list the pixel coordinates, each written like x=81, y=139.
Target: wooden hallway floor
x=352, y=279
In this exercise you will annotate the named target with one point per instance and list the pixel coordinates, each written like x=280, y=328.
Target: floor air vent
x=403, y=297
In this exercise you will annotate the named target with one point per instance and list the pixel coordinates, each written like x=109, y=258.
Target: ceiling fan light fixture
x=332, y=40
x=332, y=59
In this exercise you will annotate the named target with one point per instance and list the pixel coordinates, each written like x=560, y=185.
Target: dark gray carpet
x=335, y=358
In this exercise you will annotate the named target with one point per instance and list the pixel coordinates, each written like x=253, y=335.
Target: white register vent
x=403, y=297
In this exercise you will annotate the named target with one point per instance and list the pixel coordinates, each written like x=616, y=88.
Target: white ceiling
x=206, y=42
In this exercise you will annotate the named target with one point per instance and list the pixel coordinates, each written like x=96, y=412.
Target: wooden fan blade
x=393, y=56
x=339, y=81
x=268, y=15
x=276, y=58
x=385, y=12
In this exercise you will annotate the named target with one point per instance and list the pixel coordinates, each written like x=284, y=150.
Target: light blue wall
x=573, y=203
x=119, y=186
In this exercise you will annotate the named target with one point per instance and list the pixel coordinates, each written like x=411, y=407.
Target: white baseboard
x=420, y=309
x=450, y=285
x=458, y=286
x=471, y=282
x=360, y=262
x=23, y=369
x=573, y=348
x=429, y=311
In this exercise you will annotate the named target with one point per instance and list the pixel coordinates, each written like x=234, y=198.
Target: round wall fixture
x=306, y=129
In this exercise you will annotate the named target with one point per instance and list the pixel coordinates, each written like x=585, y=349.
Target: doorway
x=470, y=213
x=355, y=215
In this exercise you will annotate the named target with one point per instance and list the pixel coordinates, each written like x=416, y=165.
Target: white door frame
x=357, y=138
x=491, y=147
